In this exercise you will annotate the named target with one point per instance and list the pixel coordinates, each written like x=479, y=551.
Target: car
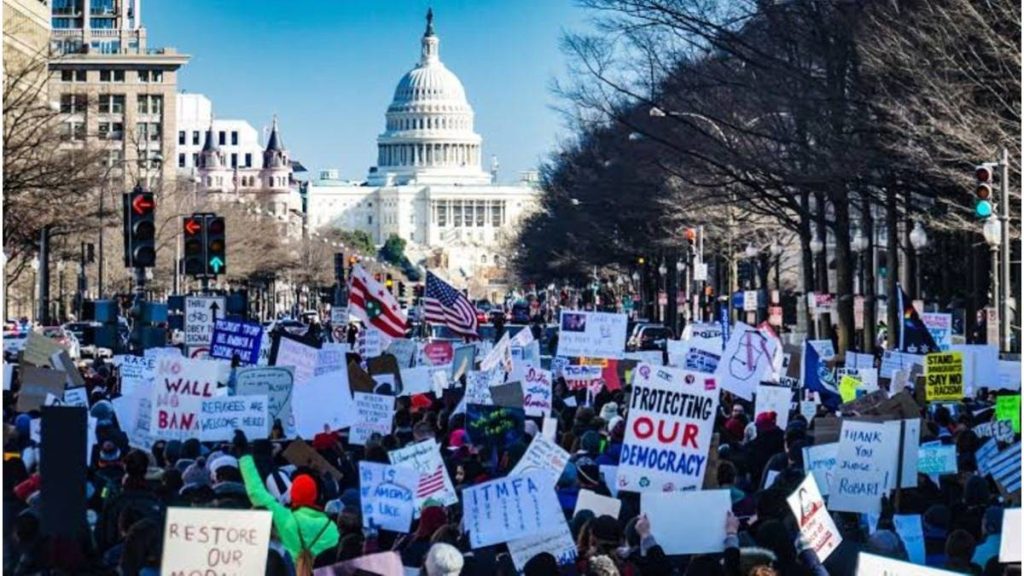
x=289, y=325
x=495, y=314
x=650, y=337
x=13, y=344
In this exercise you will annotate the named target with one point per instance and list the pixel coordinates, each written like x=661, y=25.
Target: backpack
x=304, y=563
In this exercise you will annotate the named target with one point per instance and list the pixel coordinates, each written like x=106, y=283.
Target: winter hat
x=109, y=453
x=28, y=487
x=431, y=518
x=103, y=412
x=443, y=560
x=606, y=530
x=222, y=461
x=886, y=543
x=734, y=428
x=612, y=423
x=542, y=564
x=588, y=472
x=591, y=442
x=172, y=451
x=765, y=421
x=23, y=424
x=609, y=411
x=196, y=474
x=457, y=439
x=303, y=491
x=350, y=498
x=530, y=427
x=602, y=566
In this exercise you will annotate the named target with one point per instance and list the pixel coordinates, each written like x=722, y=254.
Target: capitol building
x=428, y=186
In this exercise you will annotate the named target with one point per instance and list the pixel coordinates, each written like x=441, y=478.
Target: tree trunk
x=844, y=270
x=868, y=288
x=821, y=262
x=893, y=254
x=807, y=262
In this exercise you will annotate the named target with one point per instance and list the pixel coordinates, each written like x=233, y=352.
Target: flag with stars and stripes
x=372, y=303
x=443, y=304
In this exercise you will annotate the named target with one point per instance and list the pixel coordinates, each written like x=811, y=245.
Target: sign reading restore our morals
x=215, y=541
x=668, y=434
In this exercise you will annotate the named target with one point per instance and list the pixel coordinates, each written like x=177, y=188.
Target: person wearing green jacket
x=300, y=526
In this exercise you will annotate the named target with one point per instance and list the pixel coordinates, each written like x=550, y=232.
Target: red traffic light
x=192, y=226
x=983, y=173
x=215, y=226
x=142, y=203
x=691, y=235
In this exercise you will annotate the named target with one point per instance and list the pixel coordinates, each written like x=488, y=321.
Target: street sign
x=200, y=314
x=700, y=272
x=750, y=301
x=992, y=326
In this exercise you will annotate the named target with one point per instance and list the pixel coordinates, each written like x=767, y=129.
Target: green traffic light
x=983, y=209
x=216, y=264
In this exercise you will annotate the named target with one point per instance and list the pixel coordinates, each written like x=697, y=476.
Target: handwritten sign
x=370, y=342
x=496, y=426
x=373, y=414
x=668, y=435
x=559, y=544
x=274, y=382
x=816, y=524
x=542, y=455
x=598, y=504
x=499, y=357
x=537, y=396
x=300, y=356
x=323, y=401
x=179, y=387
x=751, y=356
x=76, y=397
x=434, y=482
x=592, y=334
x=866, y=466
x=582, y=377
x=215, y=541
x=820, y=461
x=700, y=530
x=1008, y=410
x=1009, y=545
x=510, y=509
x=136, y=372
x=776, y=399
x=220, y=417
x=944, y=376
x=936, y=459
x=331, y=358
x=386, y=495
x=233, y=337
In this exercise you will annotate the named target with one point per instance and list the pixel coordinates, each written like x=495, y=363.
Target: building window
x=497, y=214
x=195, y=137
x=149, y=131
x=479, y=213
x=111, y=104
x=150, y=104
x=111, y=131
x=234, y=160
x=181, y=160
x=73, y=131
x=111, y=75
x=181, y=137
x=72, y=75
x=73, y=103
x=114, y=158
x=234, y=138
x=151, y=76
x=248, y=160
x=195, y=159
x=221, y=138
x=457, y=213
x=369, y=219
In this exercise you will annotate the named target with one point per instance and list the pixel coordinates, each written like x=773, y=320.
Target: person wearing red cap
x=301, y=526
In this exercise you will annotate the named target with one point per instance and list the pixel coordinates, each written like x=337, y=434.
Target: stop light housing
x=194, y=234
x=216, y=245
x=389, y=282
x=139, y=229
x=401, y=289
x=984, y=202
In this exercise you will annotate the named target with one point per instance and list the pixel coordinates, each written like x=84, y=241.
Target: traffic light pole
x=1005, y=333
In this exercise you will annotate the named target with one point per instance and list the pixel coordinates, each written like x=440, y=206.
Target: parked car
x=649, y=336
x=13, y=344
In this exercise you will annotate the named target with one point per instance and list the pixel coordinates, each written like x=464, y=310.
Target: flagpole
x=899, y=315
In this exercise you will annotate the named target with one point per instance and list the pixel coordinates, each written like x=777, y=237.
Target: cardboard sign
x=591, y=334
x=220, y=417
x=39, y=349
x=700, y=530
x=820, y=462
x=668, y=434
x=303, y=358
x=866, y=466
x=537, y=396
x=936, y=459
x=434, y=483
x=36, y=383
x=1008, y=410
x=62, y=361
x=1009, y=544
x=136, y=372
x=323, y=402
x=215, y=541
x=599, y=505
x=495, y=426
x=233, y=337
x=386, y=495
x=815, y=523
x=751, y=356
x=274, y=382
x=944, y=376
x=542, y=455
x=872, y=565
x=374, y=413
x=511, y=508
x=776, y=399
x=559, y=544
x=301, y=454
x=179, y=387
x=201, y=314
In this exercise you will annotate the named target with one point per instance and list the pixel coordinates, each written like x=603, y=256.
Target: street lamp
x=35, y=285
x=776, y=251
x=858, y=244
x=993, y=233
x=816, y=245
x=918, y=239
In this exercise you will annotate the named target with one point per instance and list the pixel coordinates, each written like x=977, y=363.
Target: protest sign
x=940, y=325
x=1005, y=469
x=776, y=399
x=499, y=357
x=591, y=334
x=510, y=509
x=509, y=395
x=1009, y=375
x=76, y=397
x=910, y=531
x=559, y=544
x=872, y=565
x=201, y=314
x=704, y=336
x=700, y=360
x=417, y=380
x=813, y=519
x=299, y=354
x=894, y=360
x=374, y=413
x=824, y=348
x=301, y=454
x=856, y=360
x=747, y=360
x=820, y=462
x=235, y=337
x=274, y=382
x=1009, y=544
x=133, y=414
x=848, y=386
x=495, y=426
x=331, y=358
x=598, y=504
x=1008, y=410
x=668, y=435
x=542, y=455
x=215, y=541
x=39, y=349
x=980, y=364
x=179, y=386
x=944, y=376
x=1001, y=430
x=379, y=564
x=404, y=351
x=462, y=361
x=136, y=371
x=983, y=455
x=385, y=366
x=537, y=396
x=425, y=458
x=549, y=428
x=8, y=375
x=478, y=386
x=36, y=383
x=441, y=352
x=387, y=495
x=370, y=343
x=700, y=530
x=323, y=402
x=220, y=417
x=582, y=377
x=866, y=466
x=808, y=409
x=936, y=459
x=62, y=361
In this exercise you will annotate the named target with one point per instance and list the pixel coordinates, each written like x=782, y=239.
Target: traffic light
x=194, y=230
x=417, y=290
x=401, y=289
x=216, y=245
x=691, y=236
x=983, y=200
x=140, y=230
x=389, y=283
x=339, y=266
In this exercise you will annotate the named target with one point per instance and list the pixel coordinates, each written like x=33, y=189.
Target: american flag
x=443, y=304
x=374, y=305
x=431, y=483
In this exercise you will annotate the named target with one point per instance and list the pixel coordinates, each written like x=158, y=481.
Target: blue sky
x=328, y=68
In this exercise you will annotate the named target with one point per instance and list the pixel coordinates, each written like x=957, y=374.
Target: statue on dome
x=430, y=22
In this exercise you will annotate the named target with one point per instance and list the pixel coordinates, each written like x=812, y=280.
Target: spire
x=274, y=142
x=429, y=52
x=430, y=23
x=209, y=145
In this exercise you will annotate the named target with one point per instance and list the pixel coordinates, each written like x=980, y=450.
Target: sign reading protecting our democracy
x=215, y=541
x=274, y=382
x=542, y=455
x=511, y=508
x=234, y=337
x=374, y=413
x=591, y=334
x=537, y=397
x=434, y=483
x=387, y=495
x=944, y=376
x=816, y=524
x=220, y=417
x=668, y=434
x=179, y=387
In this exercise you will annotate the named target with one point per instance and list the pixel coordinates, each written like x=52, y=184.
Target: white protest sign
x=893, y=361
x=866, y=466
x=592, y=334
x=215, y=541
x=1009, y=545
x=425, y=458
x=8, y=375
x=668, y=434
x=1009, y=374
x=910, y=531
x=815, y=522
x=776, y=399
x=808, y=409
x=598, y=504
x=510, y=509
x=76, y=397
x=136, y=372
x=179, y=386
x=498, y=357
x=936, y=459
x=542, y=455
x=940, y=325
x=478, y=386
x=820, y=461
x=133, y=414
x=705, y=336
x=274, y=382
x=747, y=360
x=323, y=402
x=856, y=360
x=405, y=352
x=220, y=417
x=701, y=530
x=981, y=365
x=537, y=396
x=302, y=358
x=559, y=544
x=872, y=565
x=200, y=314
x=549, y=428
x=370, y=343
x=824, y=348
x=387, y=495
x=417, y=380
x=330, y=358
x=608, y=474
x=374, y=413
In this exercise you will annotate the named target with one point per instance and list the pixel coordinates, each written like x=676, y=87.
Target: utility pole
x=43, y=310
x=1005, y=333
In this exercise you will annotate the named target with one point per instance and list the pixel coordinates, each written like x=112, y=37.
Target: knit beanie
x=886, y=543
x=542, y=564
x=303, y=491
x=443, y=560
x=196, y=474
